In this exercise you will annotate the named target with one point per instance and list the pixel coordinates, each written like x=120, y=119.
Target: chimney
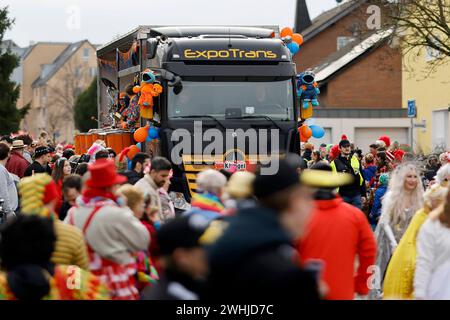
x=302, y=19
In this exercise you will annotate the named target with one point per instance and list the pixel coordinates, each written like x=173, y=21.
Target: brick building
x=359, y=72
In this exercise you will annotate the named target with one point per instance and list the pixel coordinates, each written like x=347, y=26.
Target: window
x=77, y=72
x=343, y=41
x=86, y=53
x=440, y=130
x=93, y=71
x=238, y=99
x=432, y=53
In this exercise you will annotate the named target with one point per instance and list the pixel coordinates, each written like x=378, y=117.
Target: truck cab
x=235, y=84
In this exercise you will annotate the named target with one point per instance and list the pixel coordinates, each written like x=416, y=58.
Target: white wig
x=211, y=181
x=393, y=207
x=443, y=173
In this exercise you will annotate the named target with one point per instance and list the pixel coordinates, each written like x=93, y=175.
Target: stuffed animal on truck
x=148, y=90
x=308, y=89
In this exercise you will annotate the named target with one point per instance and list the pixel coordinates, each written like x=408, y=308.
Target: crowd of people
x=331, y=223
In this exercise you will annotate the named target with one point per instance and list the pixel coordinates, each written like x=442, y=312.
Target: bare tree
x=71, y=80
x=417, y=25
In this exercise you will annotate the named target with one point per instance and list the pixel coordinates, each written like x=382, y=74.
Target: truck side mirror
x=177, y=89
x=152, y=45
x=172, y=81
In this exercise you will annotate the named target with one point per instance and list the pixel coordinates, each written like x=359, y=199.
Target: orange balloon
x=132, y=152
x=306, y=131
x=140, y=134
x=303, y=139
x=286, y=32
x=298, y=38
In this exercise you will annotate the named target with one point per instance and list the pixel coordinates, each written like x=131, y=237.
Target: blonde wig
x=393, y=205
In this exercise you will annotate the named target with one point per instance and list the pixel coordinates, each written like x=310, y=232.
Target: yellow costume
x=399, y=279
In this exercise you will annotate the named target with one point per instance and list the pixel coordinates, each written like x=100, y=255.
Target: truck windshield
x=233, y=100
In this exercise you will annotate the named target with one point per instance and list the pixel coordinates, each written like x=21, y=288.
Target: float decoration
x=148, y=90
x=141, y=134
x=153, y=133
x=292, y=40
x=308, y=89
x=308, y=130
x=317, y=131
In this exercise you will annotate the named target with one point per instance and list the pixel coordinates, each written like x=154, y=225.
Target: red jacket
x=17, y=164
x=337, y=233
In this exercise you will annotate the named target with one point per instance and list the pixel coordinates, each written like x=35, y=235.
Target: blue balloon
x=293, y=47
x=153, y=133
x=317, y=131
x=129, y=165
x=138, y=145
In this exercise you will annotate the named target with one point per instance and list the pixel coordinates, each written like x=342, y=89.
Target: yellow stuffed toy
x=148, y=89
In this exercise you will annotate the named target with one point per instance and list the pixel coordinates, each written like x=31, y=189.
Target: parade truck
x=227, y=97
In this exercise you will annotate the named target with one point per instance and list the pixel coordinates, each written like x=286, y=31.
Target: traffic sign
x=412, y=110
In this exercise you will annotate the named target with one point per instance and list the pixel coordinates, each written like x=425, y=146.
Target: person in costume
x=27, y=271
x=403, y=199
x=39, y=196
x=146, y=272
x=112, y=232
x=432, y=276
x=207, y=202
x=375, y=212
x=398, y=282
x=131, y=113
x=336, y=235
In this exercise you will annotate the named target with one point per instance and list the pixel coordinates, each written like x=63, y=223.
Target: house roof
x=326, y=19
x=59, y=62
x=348, y=54
x=19, y=51
x=31, y=47
x=8, y=44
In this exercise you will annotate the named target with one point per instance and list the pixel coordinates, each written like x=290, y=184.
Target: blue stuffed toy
x=307, y=89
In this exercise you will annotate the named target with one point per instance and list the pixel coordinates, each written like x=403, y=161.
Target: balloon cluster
x=308, y=131
x=293, y=40
x=147, y=133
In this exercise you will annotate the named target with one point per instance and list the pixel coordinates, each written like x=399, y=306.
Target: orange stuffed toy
x=148, y=89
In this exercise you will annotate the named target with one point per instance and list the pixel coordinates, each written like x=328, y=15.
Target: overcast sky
x=100, y=21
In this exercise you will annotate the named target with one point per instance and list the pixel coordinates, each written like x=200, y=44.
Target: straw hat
x=18, y=144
